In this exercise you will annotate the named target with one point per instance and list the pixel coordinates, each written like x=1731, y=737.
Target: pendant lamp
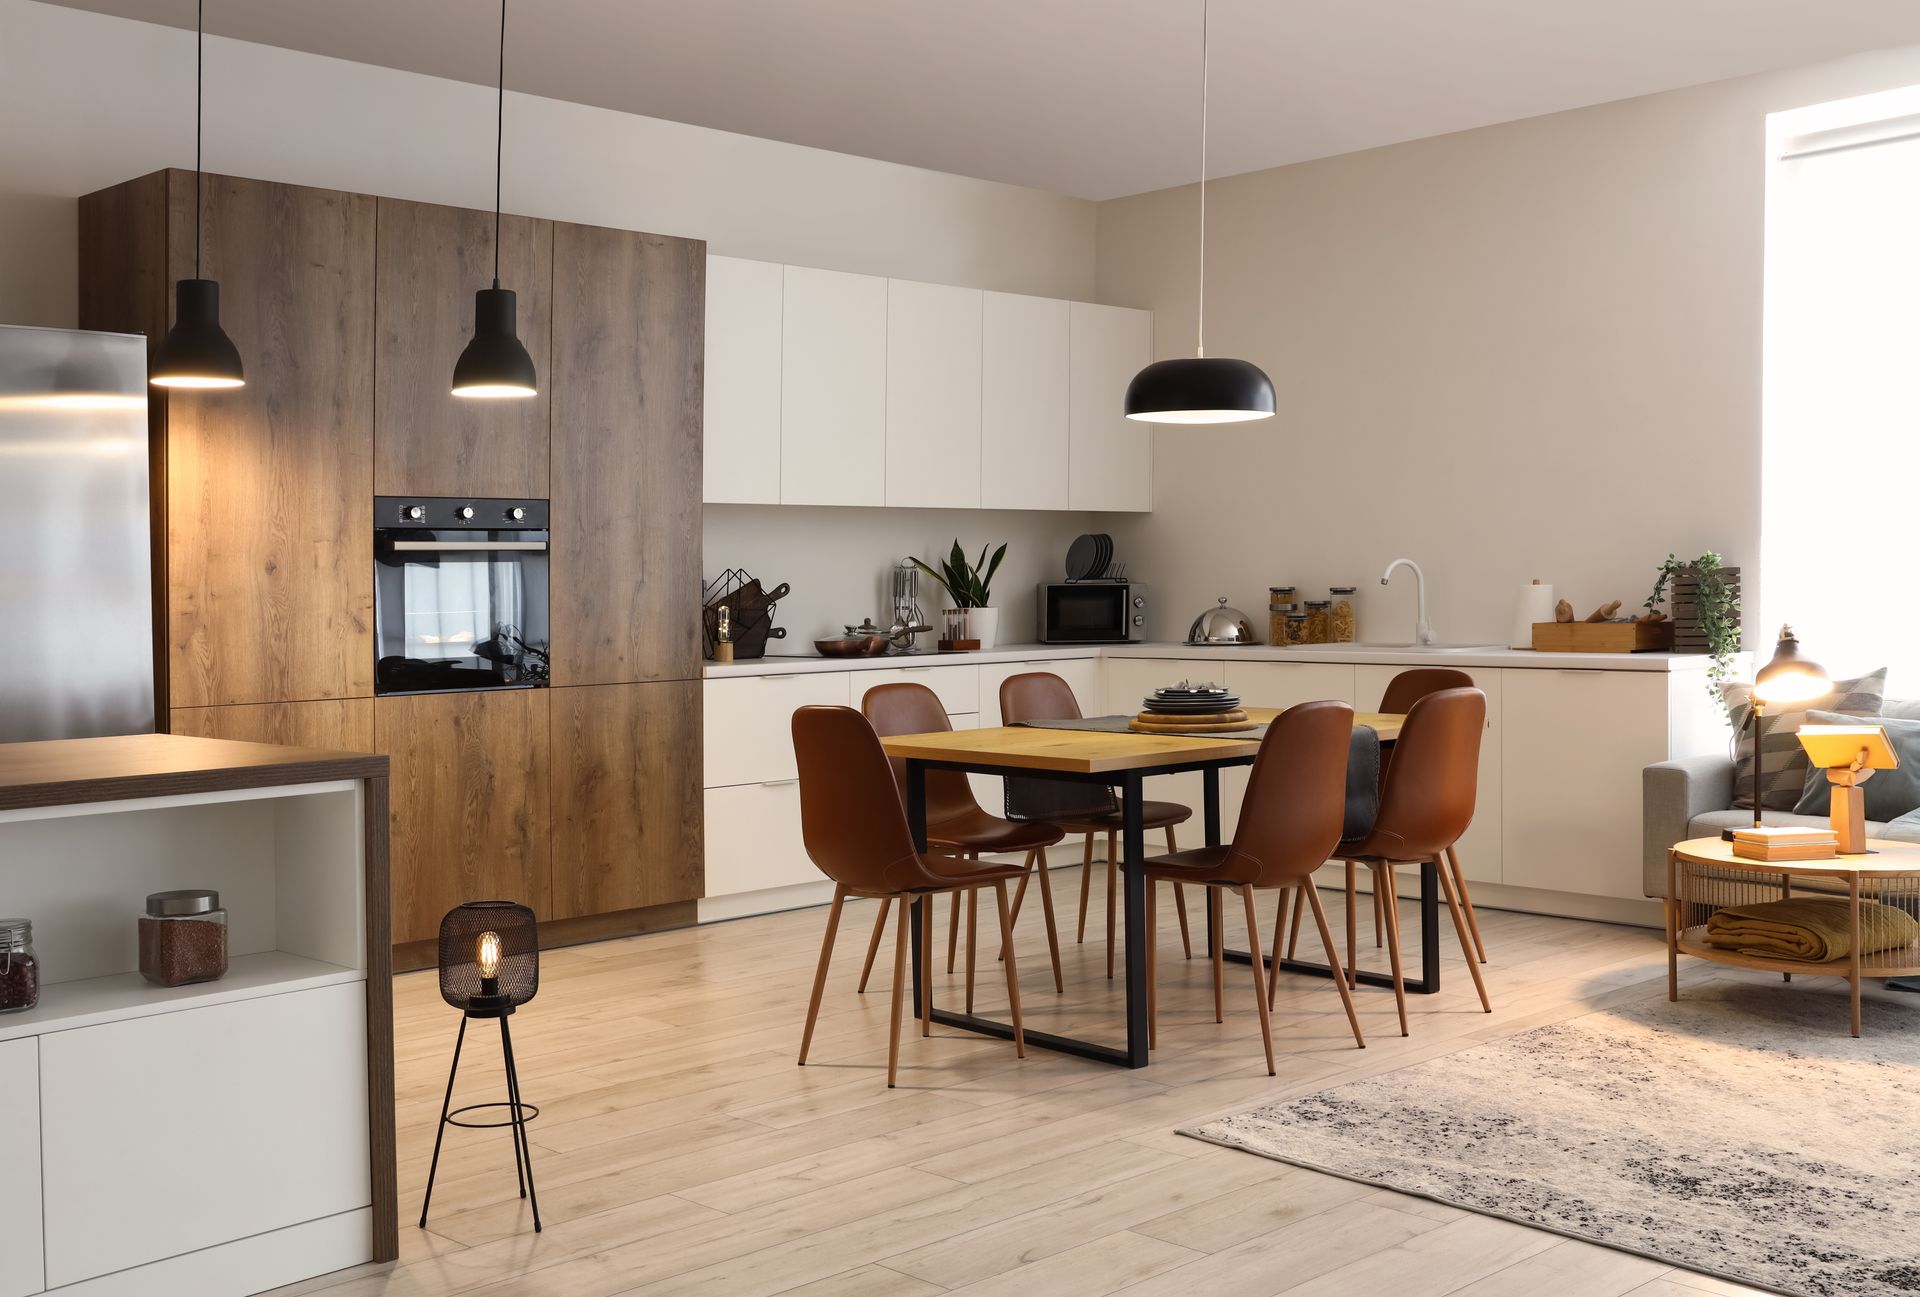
x=197, y=353
x=1200, y=388
x=495, y=364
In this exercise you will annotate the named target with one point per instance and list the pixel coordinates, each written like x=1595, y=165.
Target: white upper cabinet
x=833, y=388
x=1112, y=456
x=933, y=395
x=742, y=418
x=1024, y=461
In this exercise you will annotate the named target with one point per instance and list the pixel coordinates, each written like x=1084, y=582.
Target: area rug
x=1740, y=1132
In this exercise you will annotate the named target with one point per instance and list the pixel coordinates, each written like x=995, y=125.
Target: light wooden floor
x=680, y=1150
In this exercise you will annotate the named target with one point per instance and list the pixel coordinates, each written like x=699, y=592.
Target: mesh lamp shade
x=489, y=956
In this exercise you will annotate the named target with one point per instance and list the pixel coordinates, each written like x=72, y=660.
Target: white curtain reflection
x=451, y=604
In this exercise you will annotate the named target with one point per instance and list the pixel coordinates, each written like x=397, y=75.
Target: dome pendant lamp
x=1203, y=388
x=495, y=364
x=197, y=353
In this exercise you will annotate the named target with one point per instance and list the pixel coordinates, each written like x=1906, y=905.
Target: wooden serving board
x=1147, y=723
x=1186, y=721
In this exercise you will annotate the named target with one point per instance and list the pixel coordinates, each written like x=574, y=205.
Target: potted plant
x=969, y=588
x=1706, y=608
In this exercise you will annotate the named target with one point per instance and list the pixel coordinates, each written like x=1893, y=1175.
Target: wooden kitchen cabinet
x=742, y=403
x=833, y=388
x=1480, y=850
x=469, y=802
x=628, y=312
x=1024, y=434
x=429, y=260
x=626, y=797
x=331, y=724
x=1112, y=455
x=933, y=396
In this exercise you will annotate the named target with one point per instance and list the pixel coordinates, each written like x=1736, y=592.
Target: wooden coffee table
x=1703, y=875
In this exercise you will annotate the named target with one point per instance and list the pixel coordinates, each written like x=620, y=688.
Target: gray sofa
x=1693, y=798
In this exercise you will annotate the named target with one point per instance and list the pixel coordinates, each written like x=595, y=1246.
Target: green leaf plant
x=969, y=585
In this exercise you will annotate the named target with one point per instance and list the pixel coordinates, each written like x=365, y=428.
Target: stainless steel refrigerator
x=76, y=595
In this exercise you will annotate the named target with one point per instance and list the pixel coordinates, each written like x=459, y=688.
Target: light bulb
x=489, y=955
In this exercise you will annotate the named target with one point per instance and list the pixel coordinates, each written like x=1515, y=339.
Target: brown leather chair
x=956, y=822
x=1425, y=805
x=1289, y=826
x=1043, y=696
x=856, y=831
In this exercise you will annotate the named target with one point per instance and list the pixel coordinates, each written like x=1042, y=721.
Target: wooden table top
x=1890, y=859
x=1026, y=747
x=58, y=772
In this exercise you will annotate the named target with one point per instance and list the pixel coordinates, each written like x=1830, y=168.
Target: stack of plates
x=1089, y=557
x=1190, y=700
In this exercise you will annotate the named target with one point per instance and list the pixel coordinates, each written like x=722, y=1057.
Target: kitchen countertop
x=63, y=772
x=1484, y=657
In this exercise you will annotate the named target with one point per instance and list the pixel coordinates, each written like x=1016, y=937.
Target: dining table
x=1123, y=761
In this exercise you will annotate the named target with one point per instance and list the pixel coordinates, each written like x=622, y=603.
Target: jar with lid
x=1280, y=601
x=1340, y=623
x=19, y=969
x=1295, y=629
x=1319, y=621
x=183, y=937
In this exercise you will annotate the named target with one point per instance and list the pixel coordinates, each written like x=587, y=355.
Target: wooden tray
x=1234, y=722
x=1602, y=636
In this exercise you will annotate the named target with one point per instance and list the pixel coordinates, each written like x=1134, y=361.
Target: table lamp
x=1849, y=754
x=1786, y=678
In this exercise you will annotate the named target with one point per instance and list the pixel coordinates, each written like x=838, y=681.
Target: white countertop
x=1486, y=657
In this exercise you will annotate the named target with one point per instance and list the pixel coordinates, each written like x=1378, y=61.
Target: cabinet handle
x=783, y=676
x=777, y=783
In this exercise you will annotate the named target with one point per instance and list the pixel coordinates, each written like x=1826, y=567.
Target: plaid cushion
x=1783, y=763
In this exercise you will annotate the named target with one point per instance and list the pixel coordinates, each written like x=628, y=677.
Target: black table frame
x=1133, y=852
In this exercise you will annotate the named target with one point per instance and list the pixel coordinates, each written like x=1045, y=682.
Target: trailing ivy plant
x=1718, y=608
x=969, y=585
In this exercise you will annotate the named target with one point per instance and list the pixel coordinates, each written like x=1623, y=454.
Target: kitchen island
x=224, y=1136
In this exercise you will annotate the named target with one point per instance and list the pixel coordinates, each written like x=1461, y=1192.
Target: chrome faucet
x=1422, y=628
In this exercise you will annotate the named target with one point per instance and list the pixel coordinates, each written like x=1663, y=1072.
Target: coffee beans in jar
x=183, y=937
x=19, y=968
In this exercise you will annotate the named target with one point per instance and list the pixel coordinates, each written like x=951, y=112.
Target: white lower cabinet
x=1480, y=849
x=753, y=839
x=22, y=1268
x=1574, y=745
x=1081, y=674
x=957, y=688
x=177, y=1132
x=748, y=722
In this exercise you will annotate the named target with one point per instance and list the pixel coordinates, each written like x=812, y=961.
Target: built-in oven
x=460, y=594
x=1091, y=612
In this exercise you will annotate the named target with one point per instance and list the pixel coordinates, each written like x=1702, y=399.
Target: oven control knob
x=517, y=513
x=464, y=513
x=414, y=512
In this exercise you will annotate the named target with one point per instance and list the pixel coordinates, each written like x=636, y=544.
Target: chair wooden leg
x=820, y=974
x=1180, y=899
x=953, y=931
x=1293, y=931
x=873, y=943
x=1460, y=927
x=1086, y=886
x=1153, y=961
x=1273, y=964
x=1019, y=894
x=973, y=939
x=1259, y=992
x=1383, y=885
x=1333, y=960
x=1046, y=910
x=1379, y=921
x=1466, y=902
x=1013, y=975
x=1353, y=927
x=926, y=962
x=1113, y=896
x=899, y=983
x=1217, y=909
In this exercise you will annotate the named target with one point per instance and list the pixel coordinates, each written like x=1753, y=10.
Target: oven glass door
x=1086, y=614
x=463, y=609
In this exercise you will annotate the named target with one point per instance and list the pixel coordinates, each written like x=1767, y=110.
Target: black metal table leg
x=1133, y=857
x=1428, y=983
x=1210, y=817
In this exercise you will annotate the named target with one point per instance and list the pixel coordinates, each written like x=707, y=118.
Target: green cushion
x=1890, y=793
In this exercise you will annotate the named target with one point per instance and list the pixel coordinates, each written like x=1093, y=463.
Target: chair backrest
x=1434, y=777
x=1409, y=687
x=1037, y=696
x=1296, y=800
x=908, y=708
x=851, y=819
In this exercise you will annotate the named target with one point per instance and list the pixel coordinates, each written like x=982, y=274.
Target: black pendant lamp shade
x=197, y=353
x=1200, y=388
x=495, y=364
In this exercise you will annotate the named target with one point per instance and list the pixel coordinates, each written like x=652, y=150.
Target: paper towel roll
x=1535, y=604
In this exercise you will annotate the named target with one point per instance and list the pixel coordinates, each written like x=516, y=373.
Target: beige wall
x=1531, y=350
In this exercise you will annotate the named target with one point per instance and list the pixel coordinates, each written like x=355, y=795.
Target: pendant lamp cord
x=499, y=135
x=199, y=97
x=1200, y=320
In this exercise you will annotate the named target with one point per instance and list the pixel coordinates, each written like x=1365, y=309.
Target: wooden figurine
x=1563, y=611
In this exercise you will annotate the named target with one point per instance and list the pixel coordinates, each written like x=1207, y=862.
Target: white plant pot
x=985, y=625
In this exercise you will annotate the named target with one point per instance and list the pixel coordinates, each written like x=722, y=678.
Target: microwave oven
x=1091, y=612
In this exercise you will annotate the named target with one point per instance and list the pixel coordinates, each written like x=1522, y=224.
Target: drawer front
x=749, y=723
x=958, y=688
x=22, y=1269
x=753, y=839
x=1081, y=674
x=196, y=1128
x=1286, y=684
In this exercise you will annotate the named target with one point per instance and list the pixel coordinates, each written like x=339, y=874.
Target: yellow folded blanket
x=1811, y=928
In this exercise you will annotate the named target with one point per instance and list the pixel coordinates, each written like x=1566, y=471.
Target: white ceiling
x=1095, y=98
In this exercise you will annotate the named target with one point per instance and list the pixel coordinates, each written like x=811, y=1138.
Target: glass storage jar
x=183, y=937
x=1319, y=621
x=1341, y=614
x=1280, y=601
x=1295, y=629
x=19, y=968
